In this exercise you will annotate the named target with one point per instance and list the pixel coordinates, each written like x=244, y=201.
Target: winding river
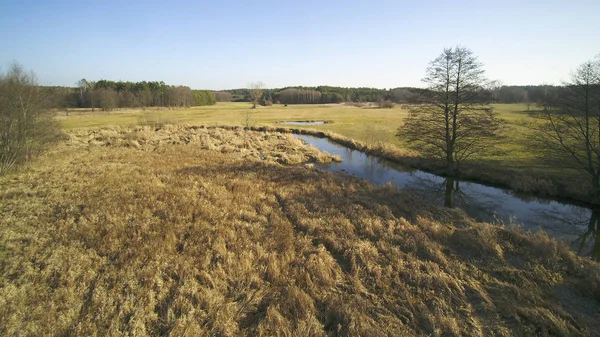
x=484, y=203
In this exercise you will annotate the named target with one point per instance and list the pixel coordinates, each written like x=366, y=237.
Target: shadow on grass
x=398, y=248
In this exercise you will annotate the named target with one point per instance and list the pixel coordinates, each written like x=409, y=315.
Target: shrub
x=27, y=125
x=387, y=104
x=356, y=104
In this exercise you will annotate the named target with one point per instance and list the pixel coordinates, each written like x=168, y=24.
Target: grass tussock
x=189, y=240
x=272, y=147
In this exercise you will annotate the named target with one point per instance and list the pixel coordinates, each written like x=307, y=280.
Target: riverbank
x=516, y=167
x=173, y=236
x=568, y=190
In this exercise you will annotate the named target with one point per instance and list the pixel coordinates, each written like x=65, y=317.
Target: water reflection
x=581, y=228
x=303, y=122
x=484, y=203
x=591, y=236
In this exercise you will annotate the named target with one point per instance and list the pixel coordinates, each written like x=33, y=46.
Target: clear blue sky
x=227, y=44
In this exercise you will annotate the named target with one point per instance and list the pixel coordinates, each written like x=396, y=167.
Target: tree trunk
x=448, y=194
x=596, y=248
x=592, y=233
x=450, y=160
x=596, y=185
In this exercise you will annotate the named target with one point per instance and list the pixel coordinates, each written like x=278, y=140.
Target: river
x=485, y=203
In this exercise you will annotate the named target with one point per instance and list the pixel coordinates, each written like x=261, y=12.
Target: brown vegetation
x=107, y=237
x=517, y=180
x=27, y=127
x=386, y=104
x=222, y=96
x=270, y=147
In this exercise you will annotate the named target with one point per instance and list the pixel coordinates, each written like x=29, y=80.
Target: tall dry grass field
x=190, y=231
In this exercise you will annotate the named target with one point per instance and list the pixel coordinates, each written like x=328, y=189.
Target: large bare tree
x=452, y=121
x=256, y=92
x=570, y=126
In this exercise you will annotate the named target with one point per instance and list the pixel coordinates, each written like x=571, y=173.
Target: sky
x=228, y=44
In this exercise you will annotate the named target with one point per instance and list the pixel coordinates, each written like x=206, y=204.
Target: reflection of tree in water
x=479, y=205
x=529, y=198
x=592, y=236
x=348, y=153
x=580, y=222
x=585, y=226
x=381, y=171
x=372, y=168
x=455, y=196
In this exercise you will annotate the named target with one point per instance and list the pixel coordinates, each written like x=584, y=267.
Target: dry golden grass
x=517, y=166
x=571, y=186
x=270, y=146
x=106, y=237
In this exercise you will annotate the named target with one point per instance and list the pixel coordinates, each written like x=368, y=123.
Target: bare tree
x=495, y=88
x=453, y=121
x=86, y=90
x=570, y=126
x=256, y=92
x=26, y=124
x=81, y=84
x=223, y=96
x=107, y=99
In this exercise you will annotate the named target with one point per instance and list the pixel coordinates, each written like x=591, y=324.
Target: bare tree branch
x=256, y=92
x=453, y=120
x=569, y=128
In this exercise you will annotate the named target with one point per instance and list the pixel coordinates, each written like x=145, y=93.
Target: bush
x=387, y=104
x=356, y=104
x=27, y=127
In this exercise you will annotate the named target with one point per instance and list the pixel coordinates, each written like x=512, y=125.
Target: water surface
x=303, y=122
x=484, y=203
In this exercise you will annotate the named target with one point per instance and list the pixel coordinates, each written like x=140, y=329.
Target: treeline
x=315, y=95
x=320, y=95
x=534, y=94
x=108, y=95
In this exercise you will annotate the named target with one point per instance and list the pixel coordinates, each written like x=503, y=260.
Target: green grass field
x=363, y=124
x=353, y=122
x=347, y=120
x=517, y=167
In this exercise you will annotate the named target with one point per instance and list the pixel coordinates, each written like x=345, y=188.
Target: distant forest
x=533, y=94
x=109, y=95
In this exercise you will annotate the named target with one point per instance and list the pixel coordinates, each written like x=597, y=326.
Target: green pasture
x=366, y=124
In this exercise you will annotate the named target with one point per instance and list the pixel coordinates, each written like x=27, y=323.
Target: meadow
x=516, y=166
x=360, y=123
x=191, y=231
